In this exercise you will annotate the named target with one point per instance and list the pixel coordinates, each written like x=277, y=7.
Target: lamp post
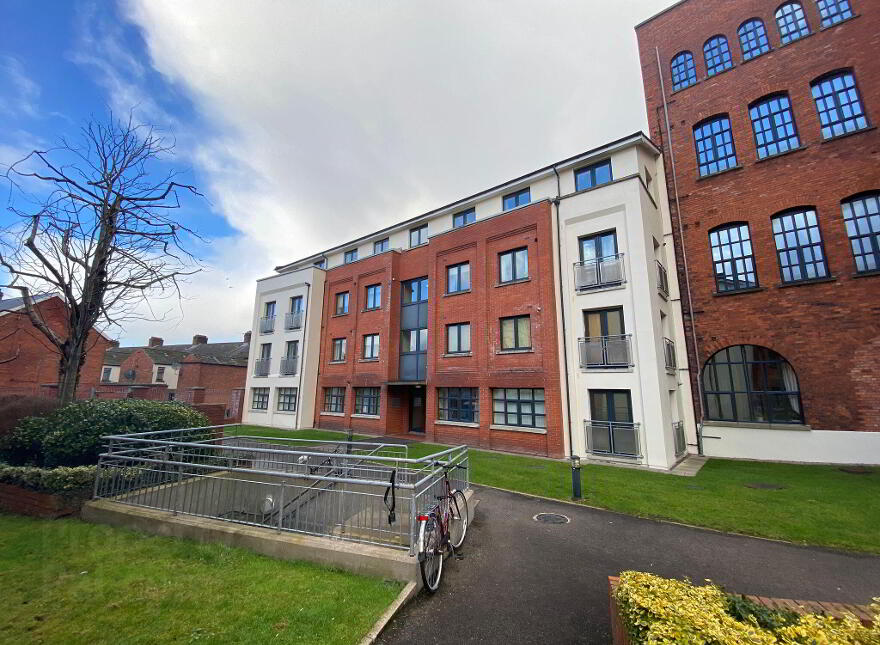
x=576, y=477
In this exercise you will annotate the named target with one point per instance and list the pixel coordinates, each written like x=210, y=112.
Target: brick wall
x=212, y=384
x=487, y=301
x=828, y=331
x=138, y=363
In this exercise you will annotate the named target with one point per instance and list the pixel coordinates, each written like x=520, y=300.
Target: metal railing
x=599, y=272
x=261, y=366
x=293, y=320
x=267, y=324
x=662, y=281
x=613, y=438
x=324, y=488
x=678, y=435
x=669, y=355
x=288, y=366
x=605, y=351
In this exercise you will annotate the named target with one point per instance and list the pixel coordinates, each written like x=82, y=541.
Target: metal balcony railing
x=597, y=352
x=261, y=366
x=669, y=355
x=613, y=438
x=599, y=272
x=293, y=320
x=662, y=281
x=288, y=366
x=678, y=434
x=267, y=325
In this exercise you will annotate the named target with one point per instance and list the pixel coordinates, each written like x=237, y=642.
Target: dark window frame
x=864, y=236
x=591, y=172
x=296, y=304
x=753, y=38
x=380, y=246
x=727, y=160
x=350, y=256
x=373, y=293
x=334, y=400
x=516, y=406
x=367, y=400
x=717, y=50
x=683, y=72
x=422, y=282
x=514, y=277
x=457, y=328
x=340, y=356
x=269, y=309
x=457, y=270
x=799, y=247
x=458, y=404
x=792, y=141
x=517, y=196
x=288, y=345
x=342, y=298
x=517, y=321
x=420, y=232
x=727, y=227
x=373, y=345
x=784, y=23
x=830, y=77
x=464, y=218
x=286, y=398
x=259, y=398
x=836, y=15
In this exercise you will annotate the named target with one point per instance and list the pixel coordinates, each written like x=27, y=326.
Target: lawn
x=818, y=505
x=66, y=581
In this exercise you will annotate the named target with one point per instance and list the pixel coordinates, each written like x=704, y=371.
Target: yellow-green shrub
x=658, y=610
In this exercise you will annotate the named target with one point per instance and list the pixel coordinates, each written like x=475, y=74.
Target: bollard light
x=575, y=477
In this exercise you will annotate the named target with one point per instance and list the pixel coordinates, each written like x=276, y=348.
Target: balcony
x=261, y=366
x=293, y=320
x=613, y=438
x=599, y=273
x=604, y=352
x=267, y=325
x=678, y=434
x=662, y=281
x=669, y=355
x=288, y=366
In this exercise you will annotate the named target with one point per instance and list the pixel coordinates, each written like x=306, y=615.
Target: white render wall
x=309, y=284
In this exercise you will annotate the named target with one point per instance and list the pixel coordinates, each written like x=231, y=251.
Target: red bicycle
x=441, y=530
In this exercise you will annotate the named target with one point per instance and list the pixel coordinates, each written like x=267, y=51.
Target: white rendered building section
x=308, y=284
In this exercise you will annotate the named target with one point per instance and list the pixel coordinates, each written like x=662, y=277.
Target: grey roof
x=214, y=353
x=11, y=304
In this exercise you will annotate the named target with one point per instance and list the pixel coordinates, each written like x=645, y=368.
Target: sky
x=307, y=124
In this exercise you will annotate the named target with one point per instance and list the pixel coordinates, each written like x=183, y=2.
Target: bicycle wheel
x=430, y=554
x=458, y=518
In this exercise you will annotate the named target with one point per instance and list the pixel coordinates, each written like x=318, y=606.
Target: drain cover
x=551, y=518
x=764, y=486
x=856, y=470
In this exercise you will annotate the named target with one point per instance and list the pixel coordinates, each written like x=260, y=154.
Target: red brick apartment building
x=437, y=310
x=766, y=112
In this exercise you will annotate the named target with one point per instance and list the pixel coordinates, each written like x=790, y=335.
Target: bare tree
x=101, y=232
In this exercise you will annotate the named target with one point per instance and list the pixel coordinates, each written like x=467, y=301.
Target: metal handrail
x=267, y=324
x=293, y=319
x=599, y=272
x=610, y=444
x=662, y=280
x=261, y=366
x=288, y=366
x=678, y=435
x=605, y=351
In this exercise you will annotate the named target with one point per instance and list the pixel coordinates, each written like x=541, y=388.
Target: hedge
x=658, y=610
x=71, y=436
x=49, y=480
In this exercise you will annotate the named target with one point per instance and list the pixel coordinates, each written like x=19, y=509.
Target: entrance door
x=417, y=411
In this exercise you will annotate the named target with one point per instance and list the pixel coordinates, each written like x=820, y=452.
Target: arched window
x=799, y=245
x=684, y=71
x=792, y=22
x=861, y=214
x=732, y=257
x=753, y=38
x=749, y=383
x=717, y=53
x=773, y=124
x=834, y=11
x=839, y=104
x=714, y=143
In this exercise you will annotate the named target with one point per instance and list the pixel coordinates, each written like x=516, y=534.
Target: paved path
x=525, y=582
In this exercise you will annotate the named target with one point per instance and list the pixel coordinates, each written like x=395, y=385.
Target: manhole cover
x=551, y=518
x=764, y=486
x=856, y=470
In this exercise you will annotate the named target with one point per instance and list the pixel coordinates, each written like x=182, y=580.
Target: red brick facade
x=29, y=361
x=829, y=331
x=211, y=384
x=485, y=367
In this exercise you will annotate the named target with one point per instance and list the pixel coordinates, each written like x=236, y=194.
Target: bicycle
x=444, y=526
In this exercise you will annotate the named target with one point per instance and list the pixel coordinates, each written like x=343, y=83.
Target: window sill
x=623, y=369
x=717, y=74
x=368, y=360
x=287, y=412
x=682, y=89
x=782, y=154
x=849, y=134
x=339, y=315
x=510, y=282
x=457, y=355
x=720, y=172
x=837, y=24
x=518, y=429
x=801, y=283
x=462, y=424
x=528, y=350
x=604, y=287
x=364, y=416
x=797, y=40
x=336, y=362
x=363, y=311
x=801, y=427
x=736, y=292
x=756, y=57
x=418, y=246
x=332, y=414
x=456, y=293
x=259, y=411
x=261, y=376
x=867, y=274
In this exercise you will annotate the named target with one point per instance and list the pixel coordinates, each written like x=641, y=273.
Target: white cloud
x=20, y=92
x=318, y=122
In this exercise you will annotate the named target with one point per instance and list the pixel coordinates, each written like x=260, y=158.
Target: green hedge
x=71, y=436
x=49, y=480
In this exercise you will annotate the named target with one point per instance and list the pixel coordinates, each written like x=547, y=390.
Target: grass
x=819, y=505
x=65, y=581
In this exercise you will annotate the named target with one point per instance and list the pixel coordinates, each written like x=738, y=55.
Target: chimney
x=198, y=339
x=247, y=338
x=114, y=343
x=155, y=341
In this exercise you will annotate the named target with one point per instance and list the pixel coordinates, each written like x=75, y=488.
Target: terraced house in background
x=540, y=315
x=766, y=112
